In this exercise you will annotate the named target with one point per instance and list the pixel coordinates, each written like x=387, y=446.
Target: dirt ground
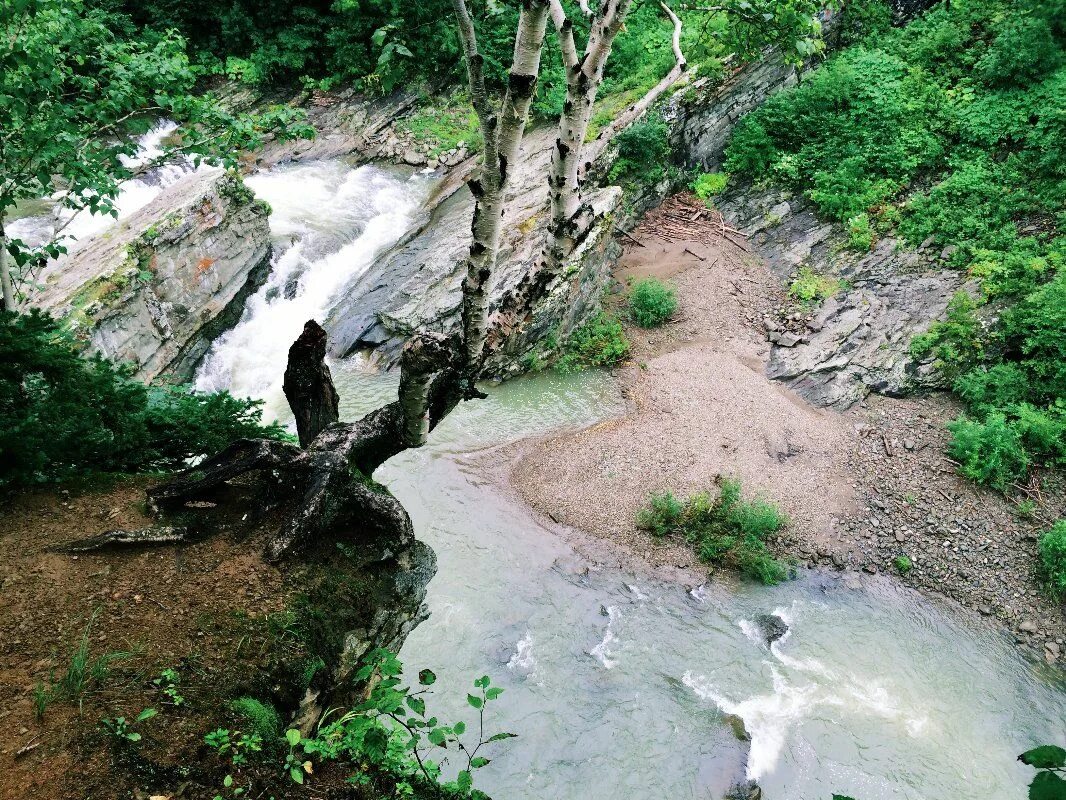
x=861, y=488
x=186, y=608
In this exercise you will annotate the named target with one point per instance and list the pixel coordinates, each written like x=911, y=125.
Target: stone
x=168, y=279
x=414, y=158
x=1027, y=626
x=788, y=340
x=771, y=626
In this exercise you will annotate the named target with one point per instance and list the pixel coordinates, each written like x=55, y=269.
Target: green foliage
x=167, y=683
x=728, y=530
x=82, y=673
x=122, y=730
x=62, y=415
x=259, y=718
x=709, y=184
x=663, y=514
x=439, y=128
x=1053, y=558
x=949, y=129
x=902, y=564
x=651, y=302
x=810, y=287
x=1048, y=784
x=600, y=342
x=989, y=452
x=393, y=729
x=77, y=88
x=860, y=235
x=643, y=152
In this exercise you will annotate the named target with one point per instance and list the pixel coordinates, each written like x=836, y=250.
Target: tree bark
x=502, y=130
x=308, y=384
x=5, y=272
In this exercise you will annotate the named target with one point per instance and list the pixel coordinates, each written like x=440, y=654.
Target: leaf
x=1047, y=786
x=499, y=737
x=1047, y=756
x=227, y=781
x=842, y=797
x=148, y=713
x=493, y=693
x=474, y=701
x=464, y=781
x=292, y=736
x=418, y=705
x=308, y=767
x=296, y=774
x=478, y=762
x=403, y=51
x=378, y=36
x=437, y=736
x=427, y=677
x=136, y=737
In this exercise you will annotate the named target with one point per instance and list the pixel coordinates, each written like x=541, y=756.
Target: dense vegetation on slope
x=951, y=129
x=65, y=415
x=379, y=45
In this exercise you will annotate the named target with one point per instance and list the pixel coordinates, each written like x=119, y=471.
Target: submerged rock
x=156, y=288
x=748, y=790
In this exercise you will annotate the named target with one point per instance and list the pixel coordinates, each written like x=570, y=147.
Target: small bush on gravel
x=1053, y=558
x=727, y=530
x=988, y=452
x=903, y=564
x=651, y=302
x=810, y=287
x=600, y=342
x=662, y=516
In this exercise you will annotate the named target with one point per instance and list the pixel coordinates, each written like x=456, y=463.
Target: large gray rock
x=157, y=287
x=859, y=340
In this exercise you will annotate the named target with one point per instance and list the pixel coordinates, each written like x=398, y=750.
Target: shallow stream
x=618, y=683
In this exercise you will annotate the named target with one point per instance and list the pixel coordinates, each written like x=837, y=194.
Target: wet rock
x=736, y=724
x=745, y=791
x=771, y=626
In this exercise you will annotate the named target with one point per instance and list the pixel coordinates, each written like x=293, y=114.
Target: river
x=616, y=681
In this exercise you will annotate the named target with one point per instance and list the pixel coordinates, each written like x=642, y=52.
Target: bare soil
x=861, y=488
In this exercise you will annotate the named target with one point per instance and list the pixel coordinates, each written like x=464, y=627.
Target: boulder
x=157, y=287
x=771, y=626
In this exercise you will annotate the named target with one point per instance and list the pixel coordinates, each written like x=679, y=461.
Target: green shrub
x=811, y=287
x=728, y=530
x=62, y=415
x=903, y=564
x=989, y=452
x=600, y=342
x=258, y=717
x=651, y=302
x=662, y=514
x=956, y=342
x=1053, y=558
x=643, y=152
x=709, y=184
x=860, y=234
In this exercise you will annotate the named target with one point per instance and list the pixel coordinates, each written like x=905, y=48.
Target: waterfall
x=329, y=222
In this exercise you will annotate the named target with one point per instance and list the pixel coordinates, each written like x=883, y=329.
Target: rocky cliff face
x=858, y=340
x=157, y=287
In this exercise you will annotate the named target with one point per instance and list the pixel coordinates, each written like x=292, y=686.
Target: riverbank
x=862, y=488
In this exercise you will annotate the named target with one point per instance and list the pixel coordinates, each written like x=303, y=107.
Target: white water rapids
x=135, y=194
x=329, y=222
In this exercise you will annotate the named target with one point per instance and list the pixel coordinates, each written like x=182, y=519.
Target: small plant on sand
x=651, y=302
x=903, y=564
x=1053, y=558
x=1026, y=508
x=662, y=515
x=600, y=342
x=83, y=671
x=727, y=530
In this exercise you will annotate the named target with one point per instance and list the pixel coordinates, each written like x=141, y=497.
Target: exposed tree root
x=160, y=534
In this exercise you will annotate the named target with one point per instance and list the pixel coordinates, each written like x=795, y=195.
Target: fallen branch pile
x=684, y=217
